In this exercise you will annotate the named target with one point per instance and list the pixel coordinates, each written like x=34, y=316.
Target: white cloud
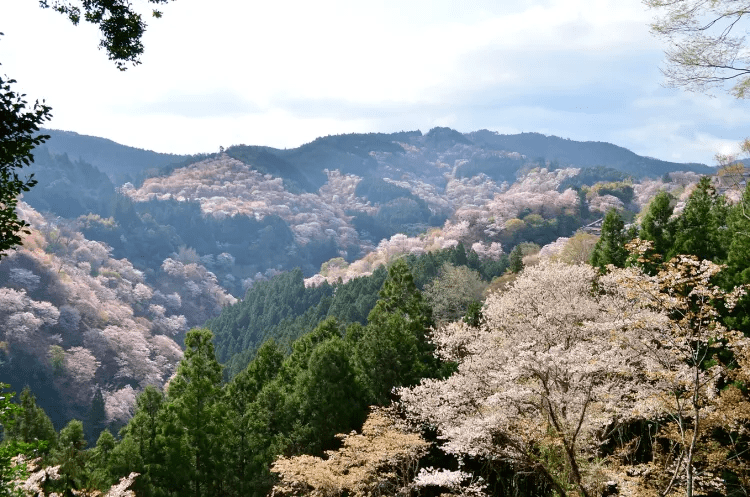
x=282, y=73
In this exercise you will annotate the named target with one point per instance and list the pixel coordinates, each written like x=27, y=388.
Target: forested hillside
x=202, y=231
x=120, y=162
x=557, y=377
x=316, y=280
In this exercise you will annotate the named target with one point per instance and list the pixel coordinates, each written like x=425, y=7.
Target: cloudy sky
x=285, y=72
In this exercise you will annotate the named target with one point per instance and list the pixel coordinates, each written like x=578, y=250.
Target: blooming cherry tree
x=542, y=381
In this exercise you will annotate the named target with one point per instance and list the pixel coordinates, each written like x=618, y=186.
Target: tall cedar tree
x=11, y=447
x=516, y=260
x=657, y=225
x=31, y=423
x=394, y=350
x=239, y=395
x=70, y=456
x=96, y=421
x=139, y=450
x=610, y=249
x=738, y=261
x=700, y=226
x=194, y=416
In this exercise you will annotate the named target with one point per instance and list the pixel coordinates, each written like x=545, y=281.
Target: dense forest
x=430, y=317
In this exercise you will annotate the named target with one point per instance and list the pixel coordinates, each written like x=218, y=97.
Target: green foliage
x=282, y=308
x=473, y=316
x=738, y=260
x=31, y=424
x=516, y=260
x=17, y=140
x=657, y=225
x=621, y=190
x=97, y=418
x=57, y=359
x=10, y=447
x=329, y=397
x=121, y=26
x=139, y=450
x=70, y=456
x=394, y=350
x=610, y=249
x=193, y=418
x=536, y=229
x=99, y=461
x=700, y=228
x=592, y=175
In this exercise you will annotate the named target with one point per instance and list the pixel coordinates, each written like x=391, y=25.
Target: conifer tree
x=70, y=456
x=516, y=260
x=738, y=261
x=657, y=225
x=99, y=461
x=610, y=249
x=10, y=473
x=330, y=398
x=139, y=450
x=97, y=418
x=31, y=423
x=192, y=422
x=240, y=394
x=700, y=226
x=394, y=350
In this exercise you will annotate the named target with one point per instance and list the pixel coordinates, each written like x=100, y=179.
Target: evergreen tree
x=140, y=451
x=31, y=423
x=700, y=228
x=516, y=260
x=10, y=473
x=394, y=350
x=610, y=249
x=70, y=456
x=17, y=141
x=97, y=418
x=657, y=225
x=99, y=468
x=330, y=399
x=240, y=394
x=459, y=257
x=193, y=419
x=738, y=261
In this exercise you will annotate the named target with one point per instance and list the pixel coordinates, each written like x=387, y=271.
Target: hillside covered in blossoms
x=114, y=273
x=284, y=293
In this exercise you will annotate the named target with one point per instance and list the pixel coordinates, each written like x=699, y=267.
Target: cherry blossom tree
x=543, y=380
x=382, y=460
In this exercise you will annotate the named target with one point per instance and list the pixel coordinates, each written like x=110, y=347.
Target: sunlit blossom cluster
x=227, y=187
x=111, y=327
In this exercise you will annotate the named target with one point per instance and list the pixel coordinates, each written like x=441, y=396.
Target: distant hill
x=120, y=162
x=582, y=154
x=356, y=153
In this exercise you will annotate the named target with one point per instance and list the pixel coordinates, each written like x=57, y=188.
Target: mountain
x=253, y=210
x=582, y=154
x=130, y=248
x=120, y=162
